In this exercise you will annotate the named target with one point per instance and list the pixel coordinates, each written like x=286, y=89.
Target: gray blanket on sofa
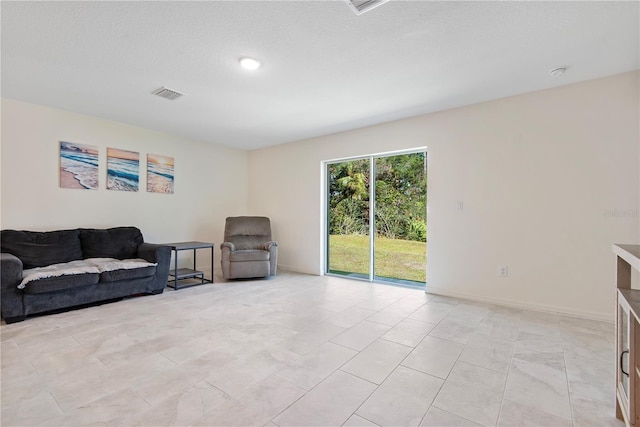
x=89, y=265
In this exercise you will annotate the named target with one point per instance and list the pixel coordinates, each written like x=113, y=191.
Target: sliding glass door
x=348, y=218
x=400, y=238
x=377, y=227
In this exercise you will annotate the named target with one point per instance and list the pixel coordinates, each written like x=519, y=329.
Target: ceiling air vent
x=166, y=93
x=362, y=6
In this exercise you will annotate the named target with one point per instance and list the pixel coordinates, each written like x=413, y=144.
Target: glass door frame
x=372, y=209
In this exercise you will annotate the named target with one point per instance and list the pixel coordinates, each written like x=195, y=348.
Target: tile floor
x=302, y=350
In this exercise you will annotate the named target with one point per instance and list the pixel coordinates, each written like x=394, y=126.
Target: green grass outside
x=394, y=258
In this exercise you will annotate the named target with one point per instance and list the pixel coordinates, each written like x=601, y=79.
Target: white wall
x=204, y=193
x=549, y=181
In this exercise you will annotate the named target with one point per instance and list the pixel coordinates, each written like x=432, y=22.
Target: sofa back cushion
x=118, y=242
x=42, y=248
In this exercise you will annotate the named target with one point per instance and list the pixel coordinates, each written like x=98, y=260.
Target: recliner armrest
x=267, y=246
x=228, y=245
x=226, y=248
x=272, y=247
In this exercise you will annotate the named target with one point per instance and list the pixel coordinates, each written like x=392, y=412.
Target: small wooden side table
x=186, y=273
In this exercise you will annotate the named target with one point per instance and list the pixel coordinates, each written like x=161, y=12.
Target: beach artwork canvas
x=123, y=170
x=78, y=166
x=159, y=174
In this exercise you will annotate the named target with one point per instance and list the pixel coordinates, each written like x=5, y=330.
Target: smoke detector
x=167, y=93
x=362, y=6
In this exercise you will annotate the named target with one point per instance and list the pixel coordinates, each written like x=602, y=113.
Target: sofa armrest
x=152, y=252
x=10, y=296
x=160, y=254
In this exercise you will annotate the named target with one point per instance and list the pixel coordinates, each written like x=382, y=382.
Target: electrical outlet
x=503, y=271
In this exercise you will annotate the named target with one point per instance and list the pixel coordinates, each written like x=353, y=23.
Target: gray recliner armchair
x=248, y=250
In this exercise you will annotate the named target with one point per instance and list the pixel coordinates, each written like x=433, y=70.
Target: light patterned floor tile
x=310, y=370
x=329, y=404
x=540, y=381
x=156, y=360
x=434, y=356
x=530, y=343
x=118, y=408
x=594, y=413
x=488, y=352
x=311, y=338
x=357, y=421
x=361, y=335
x=454, y=329
x=183, y=408
x=377, y=361
x=591, y=379
x=256, y=406
x=438, y=418
x=34, y=410
x=350, y=317
x=430, y=313
x=473, y=392
x=402, y=399
x=409, y=332
x=388, y=316
x=234, y=377
x=515, y=414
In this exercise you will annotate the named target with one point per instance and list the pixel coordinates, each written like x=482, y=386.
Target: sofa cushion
x=39, y=249
x=119, y=242
x=59, y=283
x=249, y=255
x=127, y=274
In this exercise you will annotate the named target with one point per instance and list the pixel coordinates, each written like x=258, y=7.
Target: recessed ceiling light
x=250, y=63
x=558, y=71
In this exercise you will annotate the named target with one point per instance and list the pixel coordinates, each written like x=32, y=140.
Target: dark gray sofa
x=22, y=250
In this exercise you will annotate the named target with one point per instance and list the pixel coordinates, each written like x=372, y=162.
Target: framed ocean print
x=123, y=170
x=78, y=166
x=160, y=174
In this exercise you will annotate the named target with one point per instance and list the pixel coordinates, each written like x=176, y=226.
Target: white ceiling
x=324, y=68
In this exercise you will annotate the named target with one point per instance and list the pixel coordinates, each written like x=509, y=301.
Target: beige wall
x=33, y=200
x=549, y=180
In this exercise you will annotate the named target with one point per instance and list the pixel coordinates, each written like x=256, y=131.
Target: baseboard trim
x=294, y=269
x=565, y=311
